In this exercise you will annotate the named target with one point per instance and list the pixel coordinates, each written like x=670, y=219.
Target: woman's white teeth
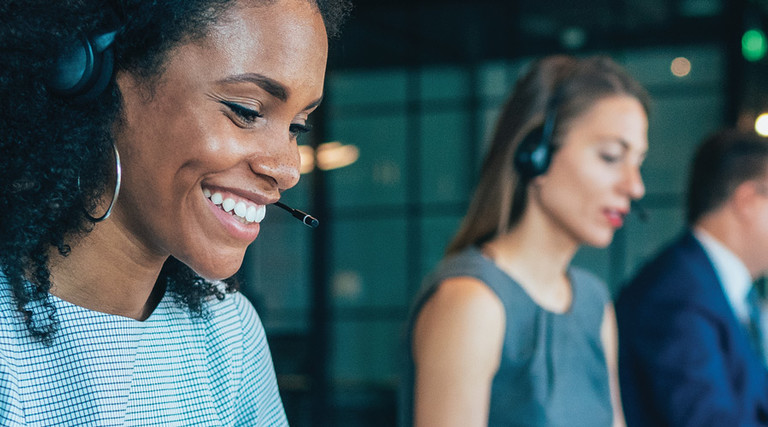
x=250, y=213
x=216, y=198
x=255, y=214
x=261, y=212
x=240, y=209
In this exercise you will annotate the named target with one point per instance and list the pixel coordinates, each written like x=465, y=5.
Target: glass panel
x=436, y=234
x=367, y=351
x=495, y=80
x=369, y=263
x=296, y=197
x=653, y=67
x=701, y=7
x=378, y=176
x=367, y=87
x=444, y=83
x=646, y=238
x=445, y=153
x=677, y=126
x=276, y=272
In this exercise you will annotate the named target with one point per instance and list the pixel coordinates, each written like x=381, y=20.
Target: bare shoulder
x=464, y=297
x=454, y=317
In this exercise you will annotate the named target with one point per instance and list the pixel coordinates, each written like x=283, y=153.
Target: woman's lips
x=615, y=217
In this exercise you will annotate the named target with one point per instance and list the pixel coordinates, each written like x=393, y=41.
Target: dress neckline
x=569, y=273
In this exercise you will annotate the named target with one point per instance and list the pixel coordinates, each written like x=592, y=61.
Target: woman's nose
x=278, y=159
x=633, y=182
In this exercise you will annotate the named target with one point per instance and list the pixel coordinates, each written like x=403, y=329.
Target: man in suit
x=689, y=354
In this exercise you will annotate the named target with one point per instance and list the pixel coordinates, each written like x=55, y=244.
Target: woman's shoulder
x=236, y=335
x=233, y=321
x=469, y=263
x=11, y=350
x=468, y=258
x=457, y=310
x=464, y=293
x=230, y=302
x=233, y=309
x=459, y=278
x=10, y=318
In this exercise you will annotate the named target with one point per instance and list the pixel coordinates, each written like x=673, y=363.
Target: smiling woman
x=142, y=141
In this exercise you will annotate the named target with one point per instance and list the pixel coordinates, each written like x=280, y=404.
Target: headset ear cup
x=73, y=69
x=85, y=68
x=533, y=155
x=100, y=77
x=540, y=157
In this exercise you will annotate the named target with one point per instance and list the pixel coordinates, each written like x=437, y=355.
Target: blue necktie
x=755, y=326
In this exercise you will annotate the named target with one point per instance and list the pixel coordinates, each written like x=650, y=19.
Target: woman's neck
x=537, y=257
x=107, y=272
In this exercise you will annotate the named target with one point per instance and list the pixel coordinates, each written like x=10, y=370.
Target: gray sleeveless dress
x=553, y=370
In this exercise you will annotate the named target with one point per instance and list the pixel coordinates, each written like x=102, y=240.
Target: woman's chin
x=599, y=242
x=217, y=270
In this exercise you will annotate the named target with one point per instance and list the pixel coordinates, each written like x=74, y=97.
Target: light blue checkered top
x=170, y=370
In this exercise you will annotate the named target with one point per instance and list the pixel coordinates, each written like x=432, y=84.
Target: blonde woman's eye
x=610, y=158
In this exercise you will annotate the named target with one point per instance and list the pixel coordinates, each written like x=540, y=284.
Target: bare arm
x=457, y=344
x=609, y=338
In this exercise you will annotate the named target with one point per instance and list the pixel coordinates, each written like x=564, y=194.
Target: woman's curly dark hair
x=57, y=155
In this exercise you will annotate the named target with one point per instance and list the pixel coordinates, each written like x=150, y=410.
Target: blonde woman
x=507, y=332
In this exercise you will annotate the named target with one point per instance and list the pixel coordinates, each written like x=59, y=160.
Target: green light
x=753, y=45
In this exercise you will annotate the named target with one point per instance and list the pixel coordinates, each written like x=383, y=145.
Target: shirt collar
x=733, y=274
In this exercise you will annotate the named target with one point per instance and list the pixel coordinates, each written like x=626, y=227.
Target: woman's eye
x=244, y=114
x=610, y=158
x=297, y=129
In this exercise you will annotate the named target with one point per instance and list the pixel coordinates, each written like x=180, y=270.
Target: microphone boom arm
x=304, y=217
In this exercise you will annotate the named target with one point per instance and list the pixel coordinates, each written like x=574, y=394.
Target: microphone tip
x=642, y=214
x=304, y=217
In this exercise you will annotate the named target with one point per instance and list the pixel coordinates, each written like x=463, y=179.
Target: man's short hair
x=722, y=162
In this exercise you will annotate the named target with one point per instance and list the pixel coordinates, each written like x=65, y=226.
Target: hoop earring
x=119, y=174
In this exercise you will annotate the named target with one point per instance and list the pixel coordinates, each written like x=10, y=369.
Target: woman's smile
x=239, y=217
x=242, y=209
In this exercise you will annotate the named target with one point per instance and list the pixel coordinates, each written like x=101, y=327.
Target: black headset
x=534, y=153
x=84, y=68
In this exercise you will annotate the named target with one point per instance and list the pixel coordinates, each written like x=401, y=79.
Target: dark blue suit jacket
x=684, y=358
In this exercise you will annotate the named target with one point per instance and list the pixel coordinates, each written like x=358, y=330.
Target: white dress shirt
x=733, y=274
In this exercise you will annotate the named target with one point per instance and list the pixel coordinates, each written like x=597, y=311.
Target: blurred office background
x=412, y=91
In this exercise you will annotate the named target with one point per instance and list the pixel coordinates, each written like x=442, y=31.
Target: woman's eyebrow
x=271, y=86
x=627, y=146
x=314, y=103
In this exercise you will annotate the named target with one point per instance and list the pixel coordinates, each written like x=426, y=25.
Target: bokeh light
x=761, y=124
x=753, y=45
x=681, y=66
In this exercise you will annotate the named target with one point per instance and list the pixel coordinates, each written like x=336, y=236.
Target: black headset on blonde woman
x=534, y=153
x=83, y=71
